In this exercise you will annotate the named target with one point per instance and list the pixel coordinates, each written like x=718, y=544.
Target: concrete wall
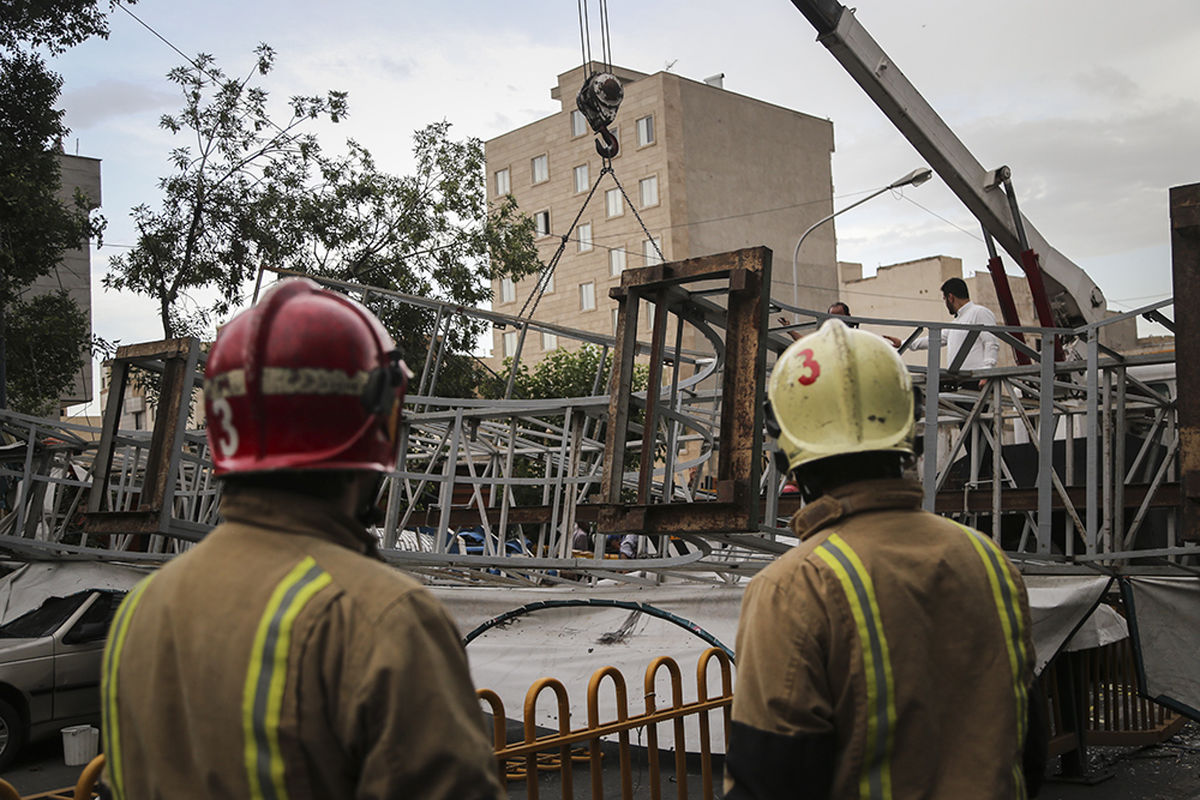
x=74, y=273
x=759, y=174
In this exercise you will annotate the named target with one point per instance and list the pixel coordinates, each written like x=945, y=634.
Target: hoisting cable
x=543, y=281
x=601, y=93
x=598, y=100
x=585, y=38
x=636, y=215
x=544, y=277
x=605, y=41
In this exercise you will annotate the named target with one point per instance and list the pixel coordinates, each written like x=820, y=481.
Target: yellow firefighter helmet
x=837, y=391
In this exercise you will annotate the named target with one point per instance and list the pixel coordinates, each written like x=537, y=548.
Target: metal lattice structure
x=492, y=491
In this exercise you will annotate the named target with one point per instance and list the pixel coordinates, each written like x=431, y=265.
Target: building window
x=614, y=203
x=503, y=184
x=650, y=250
x=587, y=296
x=581, y=178
x=541, y=222
x=648, y=191
x=585, y=237
x=549, y=341
x=510, y=344
x=616, y=317
x=508, y=290
x=616, y=261
x=548, y=284
x=540, y=168
x=645, y=131
x=579, y=124
x=650, y=309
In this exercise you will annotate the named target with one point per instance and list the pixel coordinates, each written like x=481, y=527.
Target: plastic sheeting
x=1064, y=604
x=1166, y=635
x=572, y=643
x=30, y=585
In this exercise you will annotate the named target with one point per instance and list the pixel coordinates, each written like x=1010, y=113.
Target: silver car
x=50, y=667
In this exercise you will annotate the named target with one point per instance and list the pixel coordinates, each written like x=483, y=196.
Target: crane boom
x=1070, y=293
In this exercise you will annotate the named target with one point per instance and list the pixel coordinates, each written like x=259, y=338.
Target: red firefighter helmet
x=306, y=379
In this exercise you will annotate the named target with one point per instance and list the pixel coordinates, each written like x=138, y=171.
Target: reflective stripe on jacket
x=888, y=655
x=275, y=660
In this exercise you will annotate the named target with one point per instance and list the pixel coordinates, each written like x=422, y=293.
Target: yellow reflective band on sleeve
x=111, y=722
x=1008, y=607
x=875, y=782
x=266, y=677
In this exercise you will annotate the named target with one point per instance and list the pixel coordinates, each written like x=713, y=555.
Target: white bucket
x=80, y=744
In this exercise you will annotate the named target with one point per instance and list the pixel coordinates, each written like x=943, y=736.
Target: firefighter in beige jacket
x=278, y=659
x=888, y=655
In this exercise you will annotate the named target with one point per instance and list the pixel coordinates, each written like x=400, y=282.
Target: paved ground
x=1169, y=771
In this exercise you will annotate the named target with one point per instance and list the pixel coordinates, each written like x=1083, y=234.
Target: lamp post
x=914, y=178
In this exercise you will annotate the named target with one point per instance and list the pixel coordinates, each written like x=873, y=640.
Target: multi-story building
x=708, y=171
x=74, y=272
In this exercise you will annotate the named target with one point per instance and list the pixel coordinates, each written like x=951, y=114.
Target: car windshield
x=45, y=619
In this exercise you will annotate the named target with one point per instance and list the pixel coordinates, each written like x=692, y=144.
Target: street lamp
x=914, y=178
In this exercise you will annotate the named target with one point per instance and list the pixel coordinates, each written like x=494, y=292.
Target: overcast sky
x=1093, y=107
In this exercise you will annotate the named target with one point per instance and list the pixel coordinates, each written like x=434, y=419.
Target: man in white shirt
x=985, y=350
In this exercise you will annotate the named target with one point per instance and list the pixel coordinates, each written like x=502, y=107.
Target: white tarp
x=1166, y=614
x=30, y=585
x=1057, y=603
x=570, y=644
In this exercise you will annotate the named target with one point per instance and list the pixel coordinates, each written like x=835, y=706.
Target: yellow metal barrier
x=554, y=751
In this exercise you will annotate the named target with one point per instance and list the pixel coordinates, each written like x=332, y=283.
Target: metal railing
x=555, y=752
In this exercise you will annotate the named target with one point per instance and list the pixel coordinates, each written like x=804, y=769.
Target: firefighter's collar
x=855, y=498
x=288, y=512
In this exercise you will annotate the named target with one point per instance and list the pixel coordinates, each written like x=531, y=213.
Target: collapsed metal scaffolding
x=1081, y=475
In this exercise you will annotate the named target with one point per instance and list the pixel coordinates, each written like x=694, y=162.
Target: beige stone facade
x=708, y=170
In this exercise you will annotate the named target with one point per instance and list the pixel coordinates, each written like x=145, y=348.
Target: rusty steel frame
x=746, y=274
x=1185, y=256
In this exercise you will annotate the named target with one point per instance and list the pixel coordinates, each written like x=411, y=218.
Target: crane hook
x=598, y=100
x=609, y=147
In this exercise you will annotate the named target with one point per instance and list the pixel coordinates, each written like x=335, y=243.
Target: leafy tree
x=53, y=24
x=251, y=193
x=40, y=366
x=209, y=231
x=429, y=234
x=35, y=226
x=562, y=373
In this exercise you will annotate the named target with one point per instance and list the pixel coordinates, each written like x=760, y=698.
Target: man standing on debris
x=985, y=350
x=887, y=655
x=279, y=658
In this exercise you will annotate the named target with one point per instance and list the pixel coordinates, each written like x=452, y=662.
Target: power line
x=160, y=37
x=943, y=219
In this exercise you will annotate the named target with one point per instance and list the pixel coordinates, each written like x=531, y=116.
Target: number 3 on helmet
x=839, y=390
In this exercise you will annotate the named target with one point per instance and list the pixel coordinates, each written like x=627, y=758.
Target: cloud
x=1101, y=178
x=1108, y=83
x=112, y=99
x=399, y=69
